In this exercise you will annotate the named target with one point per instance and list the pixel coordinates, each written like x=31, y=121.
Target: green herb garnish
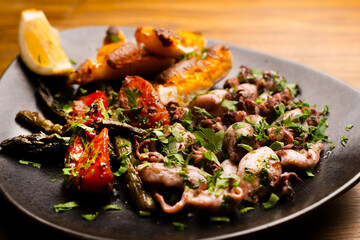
x=63, y=207
x=348, y=127
x=179, y=226
x=90, y=217
x=34, y=164
x=344, y=140
x=112, y=207
x=272, y=201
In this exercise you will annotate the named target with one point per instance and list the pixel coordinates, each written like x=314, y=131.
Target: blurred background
x=322, y=34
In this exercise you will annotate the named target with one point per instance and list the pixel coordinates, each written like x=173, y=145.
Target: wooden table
x=321, y=34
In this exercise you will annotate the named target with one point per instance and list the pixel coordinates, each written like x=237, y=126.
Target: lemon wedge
x=40, y=47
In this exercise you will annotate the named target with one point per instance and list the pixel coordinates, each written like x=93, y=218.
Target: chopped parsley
x=244, y=209
x=114, y=38
x=344, y=140
x=90, y=217
x=309, y=171
x=272, y=201
x=63, y=207
x=179, y=226
x=112, y=207
x=348, y=127
x=72, y=61
x=230, y=105
x=219, y=219
x=202, y=112
x=209, y=139
x=246, y=147
x=34, y=164
x=277, y=145
x=145, y=213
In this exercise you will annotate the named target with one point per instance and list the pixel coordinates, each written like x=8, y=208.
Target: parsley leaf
x=272, y=201
x=179, y=226
x=276, y=145
x=348, y=127
x=34, y=164
x=62, y=207
x=209, y=139
x=309, y=171
x=90, y=217
x=244, y=210
x=203, y=112
x=219, y=219
x=246, y=147
x=344, y=140
x=112, y=207
x=230, y=105
x=145, y=213
x=131, y=96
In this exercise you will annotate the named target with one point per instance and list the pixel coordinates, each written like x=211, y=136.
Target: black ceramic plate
x=31, y=191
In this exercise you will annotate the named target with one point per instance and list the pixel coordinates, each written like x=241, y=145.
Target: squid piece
x=300, y=160
x=246, y=90
x=116, y=60
x=258, y=169
x=165, y=43
x=211, y=102
x=198, y=194
x=184, y=80
x=238, y=133
x=188, y=137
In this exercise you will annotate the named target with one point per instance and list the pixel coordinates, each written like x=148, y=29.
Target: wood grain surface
x=322, y=34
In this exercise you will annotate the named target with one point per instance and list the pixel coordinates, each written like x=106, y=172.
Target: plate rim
x=294, y=216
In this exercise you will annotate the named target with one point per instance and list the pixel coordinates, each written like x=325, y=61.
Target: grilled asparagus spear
x=37, y=143
x=35, y=121
x=142, y=198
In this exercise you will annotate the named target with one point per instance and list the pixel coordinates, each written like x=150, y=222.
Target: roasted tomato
x=142, y=103
x=75, y=149
x=97, y=102
x=92, y=173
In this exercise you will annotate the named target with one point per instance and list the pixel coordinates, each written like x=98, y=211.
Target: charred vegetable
x=188, y=78
x=91, y=173
x=37, y=143
x=140, y=195
x=166, y=43
x=141, y=104
x=35, y=121
x=117, y=59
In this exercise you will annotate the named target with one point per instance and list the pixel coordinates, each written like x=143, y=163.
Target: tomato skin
x=79, y=106
x=152, y=111
x=75, y=149
x=92, y=172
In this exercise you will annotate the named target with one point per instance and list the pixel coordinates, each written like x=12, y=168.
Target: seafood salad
x=145, y=114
